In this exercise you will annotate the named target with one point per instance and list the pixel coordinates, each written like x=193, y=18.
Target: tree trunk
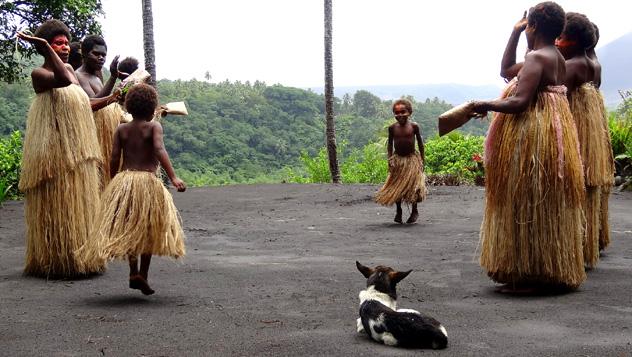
x=329, y=99
x=148, y=41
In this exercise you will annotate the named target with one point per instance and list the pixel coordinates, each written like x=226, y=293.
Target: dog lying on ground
x=383, y=322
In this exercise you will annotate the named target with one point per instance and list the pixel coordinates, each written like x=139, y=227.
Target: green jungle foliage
x=456, y=155
x=10, y=160
x=254, y=133
x=18, y=15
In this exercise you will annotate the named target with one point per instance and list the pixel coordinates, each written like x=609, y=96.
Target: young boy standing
x=137, y=215
x=406, y=181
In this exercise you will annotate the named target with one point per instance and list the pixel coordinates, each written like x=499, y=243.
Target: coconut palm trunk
x=148, y=41
x=329, y=98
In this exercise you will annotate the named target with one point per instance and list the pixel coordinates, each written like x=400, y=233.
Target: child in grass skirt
x=406, y=181
x=137, y=214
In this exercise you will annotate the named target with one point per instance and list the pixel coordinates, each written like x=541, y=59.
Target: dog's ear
x=398, y=276
x=366, y=271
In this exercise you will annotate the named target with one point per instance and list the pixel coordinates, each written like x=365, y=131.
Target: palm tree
x=148, y=41
x=329, y=99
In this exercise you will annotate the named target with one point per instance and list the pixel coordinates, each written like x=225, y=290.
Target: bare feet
x=511, y=289
x=413, y=217
x=398, y=216
x=139, y=283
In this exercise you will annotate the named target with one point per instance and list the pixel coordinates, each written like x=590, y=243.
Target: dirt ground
x=270, y=271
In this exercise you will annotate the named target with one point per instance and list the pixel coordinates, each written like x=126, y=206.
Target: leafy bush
x=10, y=160
x=455, y=154
x=453, y=159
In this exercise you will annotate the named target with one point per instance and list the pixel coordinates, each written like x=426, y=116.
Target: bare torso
x=404, y=138
x=90, y=83
x=136, y=140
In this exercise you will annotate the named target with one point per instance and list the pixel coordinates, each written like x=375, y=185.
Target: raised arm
x=508, y=67
x=109, y=85
x=44, y=80
x=163, y=157
x=527, y=87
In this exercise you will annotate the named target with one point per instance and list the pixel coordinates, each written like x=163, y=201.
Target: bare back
x=579, y=70
x=136, y=140
x=553, y=67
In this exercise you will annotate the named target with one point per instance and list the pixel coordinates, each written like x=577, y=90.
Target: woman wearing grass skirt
x=586, y=106
x=59, y=170
x=531, y=236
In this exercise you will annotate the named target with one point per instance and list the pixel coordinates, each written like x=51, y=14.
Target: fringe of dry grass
x=137, y=216
x=594, y=139
x=60, y=135
x=106, y=121
x=604, y=225
x=406, y=181
x=532, y=228
x=60, y=180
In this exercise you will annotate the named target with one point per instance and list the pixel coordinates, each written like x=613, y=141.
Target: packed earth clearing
x=270, y=271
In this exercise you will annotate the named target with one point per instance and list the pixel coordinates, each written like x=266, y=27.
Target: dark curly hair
x=90, y=41
x=578, y=28
x=548, y=18
x=74, y=58
x=50, y=29
x=128, y=65
x=405, y=102
x=141, y=101
x=596, y=36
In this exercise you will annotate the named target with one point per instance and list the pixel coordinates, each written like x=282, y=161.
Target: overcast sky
x=375, y=42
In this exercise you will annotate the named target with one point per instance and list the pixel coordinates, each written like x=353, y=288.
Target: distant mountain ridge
x=616, y=63
x=452, y=93
x=615, y=58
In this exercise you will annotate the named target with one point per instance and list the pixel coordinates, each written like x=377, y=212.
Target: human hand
x=114, y=66
x=162, y=110
x=31, y=39
x=522, y=24
x=478, y=109
x=179, y=184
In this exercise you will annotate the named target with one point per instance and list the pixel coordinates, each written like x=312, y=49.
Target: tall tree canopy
x=15, y=15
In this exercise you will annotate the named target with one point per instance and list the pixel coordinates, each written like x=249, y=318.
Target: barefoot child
x=406, y=180
x=137, y=215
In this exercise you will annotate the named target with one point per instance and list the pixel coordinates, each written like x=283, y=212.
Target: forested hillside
x=243, y=132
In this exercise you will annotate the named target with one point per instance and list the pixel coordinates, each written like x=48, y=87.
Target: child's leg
x=398, y=214
x=133, y=265
x=414, y=214
x=145, y=260
x=139, y=280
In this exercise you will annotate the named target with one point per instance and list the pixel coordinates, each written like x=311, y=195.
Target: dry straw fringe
x=60, y=180
x=406, y=181
x=594, y=139
x=107, y=120
x=532, y=227
x=137, y=216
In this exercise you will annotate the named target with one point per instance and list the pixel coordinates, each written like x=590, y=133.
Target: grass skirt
x=532, y=227
x=594, y=141
x=406, y=181
x=137, y=216
x=60, y=180
x=107, y=120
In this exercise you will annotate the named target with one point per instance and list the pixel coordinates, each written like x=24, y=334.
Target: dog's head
x=383, y=278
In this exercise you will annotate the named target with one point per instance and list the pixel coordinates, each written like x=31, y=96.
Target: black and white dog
x=383, y=322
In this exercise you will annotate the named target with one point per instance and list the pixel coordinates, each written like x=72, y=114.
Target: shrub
x=10, y=160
